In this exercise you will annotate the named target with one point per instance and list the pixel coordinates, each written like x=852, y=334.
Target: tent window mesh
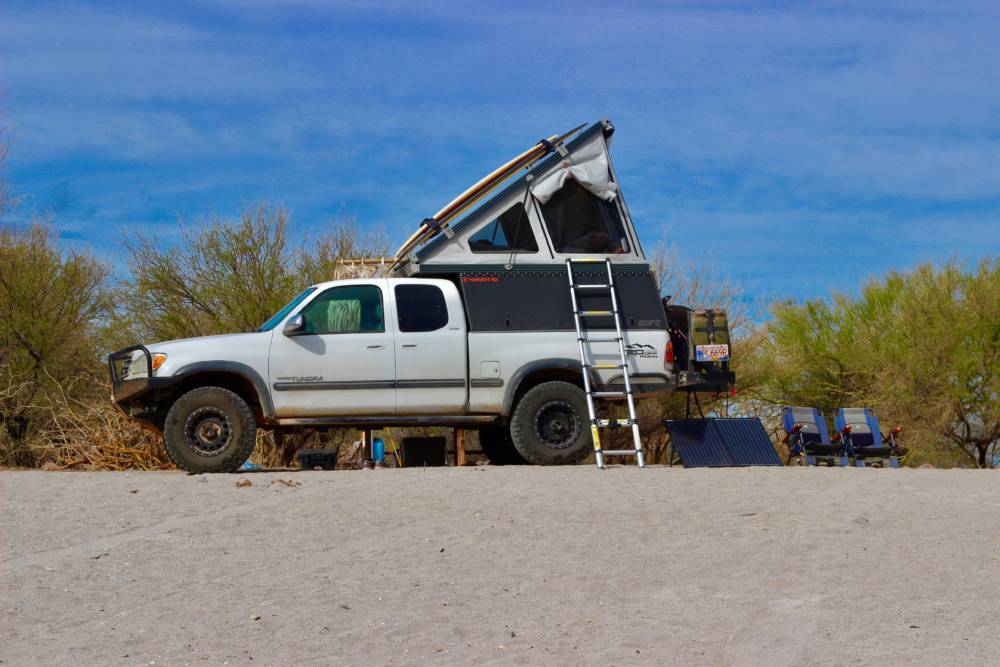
x=579, y=222
x=510, y=231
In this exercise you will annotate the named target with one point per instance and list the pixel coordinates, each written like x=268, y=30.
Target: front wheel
x=209, y=429
x=550, y=425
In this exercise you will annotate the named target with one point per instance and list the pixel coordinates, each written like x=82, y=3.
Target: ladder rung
x=604, y=366
x=599, y=340
x=586, y=260
x=608, y=393
x=592, y=286
x=596, y=313
x=620, y=452
x=613, y=423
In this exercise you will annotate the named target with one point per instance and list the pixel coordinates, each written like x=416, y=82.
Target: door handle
x=409, y=345
x=374, y=347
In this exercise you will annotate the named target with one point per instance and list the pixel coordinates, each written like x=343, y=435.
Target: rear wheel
x=550, y=425
x=209, y=429
x=498, y=446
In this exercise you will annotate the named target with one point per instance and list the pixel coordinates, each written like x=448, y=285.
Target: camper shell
x=508, y=255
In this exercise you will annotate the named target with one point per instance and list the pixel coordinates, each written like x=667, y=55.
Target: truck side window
x=580, y=222
x=510, y=231
x=420, y=308
x=348, y=309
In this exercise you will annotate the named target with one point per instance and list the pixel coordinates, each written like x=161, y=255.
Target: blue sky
x=800, y=147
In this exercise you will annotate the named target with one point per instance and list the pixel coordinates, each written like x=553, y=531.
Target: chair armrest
x=795, y=429
x=890, y=437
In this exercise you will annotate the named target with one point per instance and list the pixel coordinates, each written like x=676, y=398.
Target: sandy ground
x=502, y=566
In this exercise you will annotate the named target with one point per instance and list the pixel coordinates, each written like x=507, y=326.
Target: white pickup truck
x=376, y=352
x=475, y=328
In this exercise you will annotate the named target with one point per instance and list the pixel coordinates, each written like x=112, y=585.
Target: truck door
x=431, y=357
x=342, y=362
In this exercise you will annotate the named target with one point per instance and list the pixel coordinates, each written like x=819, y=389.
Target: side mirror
x=295, y=326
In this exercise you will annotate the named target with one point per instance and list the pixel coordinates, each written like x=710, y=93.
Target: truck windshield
x=283, y=313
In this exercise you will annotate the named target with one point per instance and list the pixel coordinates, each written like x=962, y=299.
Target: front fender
x=235, y=368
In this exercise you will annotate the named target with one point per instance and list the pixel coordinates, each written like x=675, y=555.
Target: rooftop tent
x=567, y=205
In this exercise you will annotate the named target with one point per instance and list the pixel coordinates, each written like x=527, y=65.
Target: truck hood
x=223, y=339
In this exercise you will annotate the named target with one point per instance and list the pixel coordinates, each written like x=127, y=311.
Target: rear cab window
x=420, y=308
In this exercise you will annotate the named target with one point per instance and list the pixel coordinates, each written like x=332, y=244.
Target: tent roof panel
x=542, y=165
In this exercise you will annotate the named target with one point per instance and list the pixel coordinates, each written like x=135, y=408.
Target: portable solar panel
x=716, y=443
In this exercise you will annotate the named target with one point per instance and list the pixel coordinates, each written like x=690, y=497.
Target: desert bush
x=921, y=347
x=222, y=276
x=82, y=429
x=228, y=275
x=52, y=304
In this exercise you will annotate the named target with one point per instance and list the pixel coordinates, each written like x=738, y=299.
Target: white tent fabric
x=588, y=165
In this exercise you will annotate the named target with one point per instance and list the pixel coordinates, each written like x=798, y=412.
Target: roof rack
x=361, y=267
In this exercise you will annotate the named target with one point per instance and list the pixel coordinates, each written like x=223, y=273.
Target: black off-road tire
x=497, y=445
x=550, y=425
x=196, y=417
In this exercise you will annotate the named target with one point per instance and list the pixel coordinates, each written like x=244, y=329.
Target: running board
x=389, y=420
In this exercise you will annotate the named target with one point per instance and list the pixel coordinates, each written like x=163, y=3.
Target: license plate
x=718, y=352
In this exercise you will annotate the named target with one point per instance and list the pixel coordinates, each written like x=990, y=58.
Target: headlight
x=158, y=360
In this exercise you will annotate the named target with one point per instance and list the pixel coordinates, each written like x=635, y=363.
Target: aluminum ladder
x=587, y=363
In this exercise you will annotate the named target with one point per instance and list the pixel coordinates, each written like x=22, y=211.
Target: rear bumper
x=645, y=385
x=707, y=382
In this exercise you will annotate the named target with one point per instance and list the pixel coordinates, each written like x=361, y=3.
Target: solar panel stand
x=587, y=364
x=687, y=406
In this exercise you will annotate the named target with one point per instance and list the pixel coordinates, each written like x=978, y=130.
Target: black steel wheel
x=550, y=424
x=209, y=429
x=556, y=424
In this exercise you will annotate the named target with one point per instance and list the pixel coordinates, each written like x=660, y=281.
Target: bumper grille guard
x=123, y=358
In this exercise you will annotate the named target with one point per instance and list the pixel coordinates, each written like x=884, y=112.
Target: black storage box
x=421, y=451
x=323, y=459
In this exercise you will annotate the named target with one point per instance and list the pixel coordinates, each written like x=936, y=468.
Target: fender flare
x=554, y=363
x=235, y=368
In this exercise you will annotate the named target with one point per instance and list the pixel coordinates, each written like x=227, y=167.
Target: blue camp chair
x=808, y=439
x=865, y=443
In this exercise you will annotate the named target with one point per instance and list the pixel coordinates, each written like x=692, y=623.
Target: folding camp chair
x=863, y=438
x=808, y=439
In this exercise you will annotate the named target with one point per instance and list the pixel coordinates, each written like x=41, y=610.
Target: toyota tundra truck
x=473, y=324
